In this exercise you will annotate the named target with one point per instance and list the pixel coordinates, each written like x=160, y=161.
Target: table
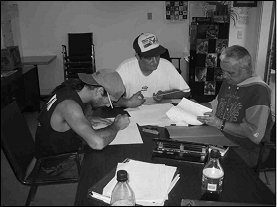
x=38, y=60
x=241, y=184
x=21, y=85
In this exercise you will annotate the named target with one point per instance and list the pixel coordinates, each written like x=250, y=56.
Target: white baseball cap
x=147, y=45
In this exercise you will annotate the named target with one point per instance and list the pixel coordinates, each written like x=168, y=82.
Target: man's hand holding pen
x=136, y=100
x=210, y=119
x=158, y=97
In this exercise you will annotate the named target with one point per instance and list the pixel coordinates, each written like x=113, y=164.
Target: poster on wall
x=176, y=10
x=208, y=38
x=209, y=88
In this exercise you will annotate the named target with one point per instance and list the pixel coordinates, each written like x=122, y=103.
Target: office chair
x=80, y=57
x=19, y=148
x=269, y=163
x=166, y=56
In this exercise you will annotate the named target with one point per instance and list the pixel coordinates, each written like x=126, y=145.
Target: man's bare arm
x=170, y=94
x=96, y=139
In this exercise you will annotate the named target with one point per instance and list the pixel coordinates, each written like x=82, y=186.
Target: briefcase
x=180, y=150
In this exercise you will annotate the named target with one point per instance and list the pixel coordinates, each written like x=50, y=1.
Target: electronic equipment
x=180, y=150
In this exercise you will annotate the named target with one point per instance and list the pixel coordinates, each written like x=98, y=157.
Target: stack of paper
x=186, y=113
x=151, y=114
x=151, y=183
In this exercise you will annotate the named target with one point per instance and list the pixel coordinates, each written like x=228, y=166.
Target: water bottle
x=212, y=178
x=122, y=194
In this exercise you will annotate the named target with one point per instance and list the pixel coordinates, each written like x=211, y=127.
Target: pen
x=98, y=196
x=175, y=180
x=152, y=131
x=110, y=100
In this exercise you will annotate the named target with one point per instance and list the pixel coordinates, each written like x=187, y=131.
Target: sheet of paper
x=199, y=134
x=187, y=111
x=129, y=135
x=151, y=114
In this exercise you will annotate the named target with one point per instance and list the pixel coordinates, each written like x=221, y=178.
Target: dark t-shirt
x=51, y=142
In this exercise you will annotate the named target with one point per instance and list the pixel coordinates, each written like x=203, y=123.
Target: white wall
x=263, y=33
x=44, y=27
x=245, y=33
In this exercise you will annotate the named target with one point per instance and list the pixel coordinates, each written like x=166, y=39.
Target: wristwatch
x=222, y=125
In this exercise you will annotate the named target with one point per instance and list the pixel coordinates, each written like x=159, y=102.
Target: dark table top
x=8, y=77
x=240, y=185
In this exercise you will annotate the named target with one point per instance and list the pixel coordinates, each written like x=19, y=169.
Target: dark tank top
x=51, y=142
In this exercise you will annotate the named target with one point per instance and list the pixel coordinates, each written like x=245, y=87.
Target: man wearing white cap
x=62, y=119
x=148, y=75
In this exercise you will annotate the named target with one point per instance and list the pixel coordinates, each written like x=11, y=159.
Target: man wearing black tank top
x=62, y=120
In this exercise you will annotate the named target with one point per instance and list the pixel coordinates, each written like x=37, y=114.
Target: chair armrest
x=269, y=145
x=60, y=155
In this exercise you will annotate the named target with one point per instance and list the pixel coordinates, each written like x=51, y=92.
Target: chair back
x=166, y=56
x=16, y=140
x=80, y=46
x=267, y=153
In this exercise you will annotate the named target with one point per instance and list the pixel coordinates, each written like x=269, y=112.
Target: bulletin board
x=176, y=10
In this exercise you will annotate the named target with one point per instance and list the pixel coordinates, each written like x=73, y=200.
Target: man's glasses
x=110, y=100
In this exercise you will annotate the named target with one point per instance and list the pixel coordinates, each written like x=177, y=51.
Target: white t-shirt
x=164, y=78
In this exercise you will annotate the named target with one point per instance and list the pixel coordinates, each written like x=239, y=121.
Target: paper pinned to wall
x=187, y=111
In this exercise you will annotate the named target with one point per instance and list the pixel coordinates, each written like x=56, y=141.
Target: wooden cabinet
x=23, y=87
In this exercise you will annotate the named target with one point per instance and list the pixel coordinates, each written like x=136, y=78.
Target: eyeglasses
x=110, y=100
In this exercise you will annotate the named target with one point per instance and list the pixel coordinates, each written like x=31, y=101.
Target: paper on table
x=152, y=114
x=187, y=111
x=129, y=135
x=150, y=182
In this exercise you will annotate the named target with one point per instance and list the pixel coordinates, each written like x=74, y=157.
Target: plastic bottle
x=212, y=178
x=122, y=194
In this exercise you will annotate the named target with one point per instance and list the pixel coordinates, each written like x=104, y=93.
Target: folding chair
x=267, y=149
x=80, y=57
x=19, y=148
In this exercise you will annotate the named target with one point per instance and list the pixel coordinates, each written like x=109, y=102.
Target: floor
x=14, y=193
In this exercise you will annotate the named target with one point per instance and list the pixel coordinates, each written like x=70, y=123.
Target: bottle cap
x=215, y=153
x=121, y=175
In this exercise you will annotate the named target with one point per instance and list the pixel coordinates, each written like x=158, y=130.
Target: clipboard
x=199, y=134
